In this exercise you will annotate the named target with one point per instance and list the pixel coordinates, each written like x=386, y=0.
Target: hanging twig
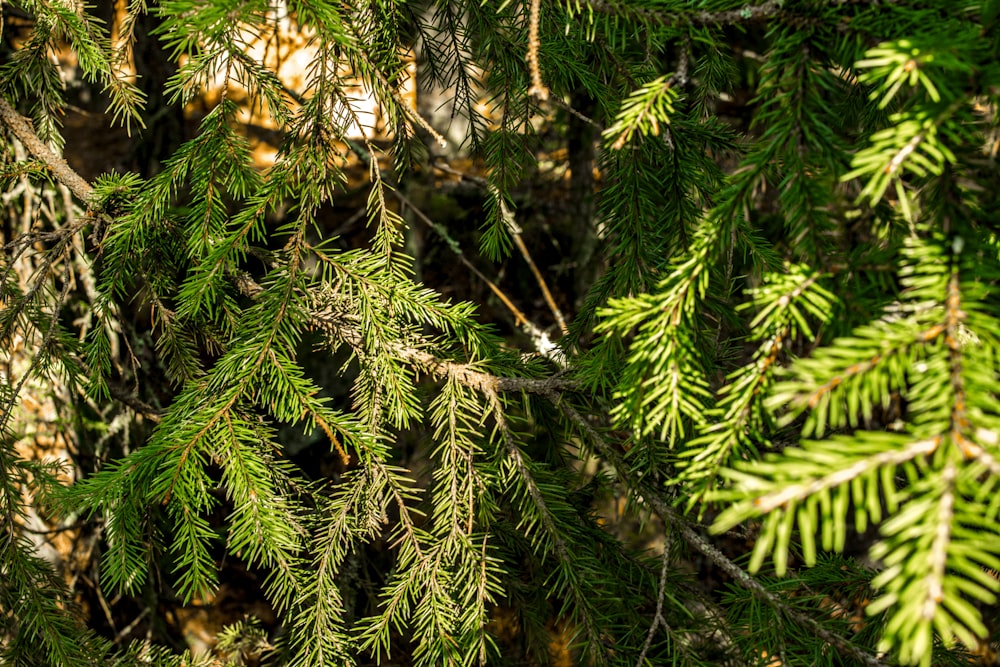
x=538, y=89
x=658, y=619
x=515, y=232
x=519, y=317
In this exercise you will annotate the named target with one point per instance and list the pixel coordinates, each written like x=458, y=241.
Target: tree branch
x=339, y=325
x=21, y=128
x=744, y=14
x=662, y=508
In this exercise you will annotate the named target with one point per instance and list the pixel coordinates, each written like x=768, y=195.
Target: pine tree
x=791, y=343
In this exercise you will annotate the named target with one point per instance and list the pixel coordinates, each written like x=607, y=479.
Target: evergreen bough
x=796, y=332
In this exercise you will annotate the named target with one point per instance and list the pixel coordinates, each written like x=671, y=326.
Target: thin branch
x=568, y=108
x=140, y=407
x=515, y=232
x=407, y=110
x=538, y=89
x=548, y=521
x=124, y=632
x=681, y=76
x=519, y=317
x=658, y=616
x=745, y=14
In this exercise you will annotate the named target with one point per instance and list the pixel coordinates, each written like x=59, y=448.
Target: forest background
x=584, y=332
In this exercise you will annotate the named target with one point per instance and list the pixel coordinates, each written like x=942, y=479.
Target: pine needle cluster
x=793, y=337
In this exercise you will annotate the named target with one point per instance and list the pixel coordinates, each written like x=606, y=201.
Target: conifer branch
x=549, y=522
x=703, y=17
x=653, y=498
x=67, y=178
x=940, y=542
x=463, y=373
x=791, y=492
x=188, y=446
x=715, y=279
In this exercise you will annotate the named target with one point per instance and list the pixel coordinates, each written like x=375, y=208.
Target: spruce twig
x=520, y=319
x=658, y=618
x=653, y=498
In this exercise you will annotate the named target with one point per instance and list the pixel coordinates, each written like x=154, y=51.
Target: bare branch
x=658, y=618
x=60, y=168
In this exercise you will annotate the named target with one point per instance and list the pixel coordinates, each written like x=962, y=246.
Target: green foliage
x=793, y=333
x=42, y=632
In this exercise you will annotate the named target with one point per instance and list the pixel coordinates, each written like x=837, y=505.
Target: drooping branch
x=660, y=506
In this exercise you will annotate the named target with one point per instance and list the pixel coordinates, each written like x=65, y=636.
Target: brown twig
x=658, y=618
x=519, y=317
x=515, y=232
x=47, y=338
x=538, y=89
